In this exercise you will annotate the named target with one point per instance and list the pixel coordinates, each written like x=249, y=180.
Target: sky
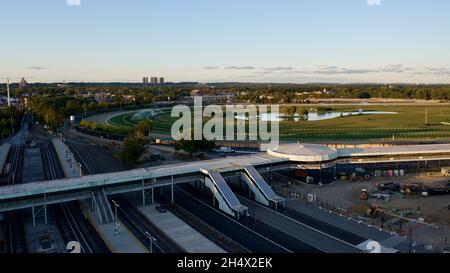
x=297, y=41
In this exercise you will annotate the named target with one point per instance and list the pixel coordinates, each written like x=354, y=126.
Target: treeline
x=10, y=121
x=301, y=93
x=104, y=128
x=142, y=94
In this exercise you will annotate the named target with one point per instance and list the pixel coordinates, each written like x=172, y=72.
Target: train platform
x=338, y=221
x=68, y=162
x=4, y=150
x=187, y=237
x=123, y=242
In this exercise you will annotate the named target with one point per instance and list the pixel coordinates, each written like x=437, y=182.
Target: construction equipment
x=364, y=195
x=413, y=188
x=374, y=212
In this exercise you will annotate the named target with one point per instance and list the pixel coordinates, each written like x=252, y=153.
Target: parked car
x=161, y=209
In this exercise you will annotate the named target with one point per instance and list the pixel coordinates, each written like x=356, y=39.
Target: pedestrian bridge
x=284, y=156
x=45, y=193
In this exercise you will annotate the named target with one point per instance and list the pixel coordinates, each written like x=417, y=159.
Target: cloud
x=434, y=71
x=73, y=2
x=328, y=67
x=36, y=68
x=211, y=67
x=330, y=70
x=437, y=69
x=240, y=67
x=278, y=68
x=374, y=3
x=396, y=68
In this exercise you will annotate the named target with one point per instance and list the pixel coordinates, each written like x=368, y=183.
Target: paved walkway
x=124, y=242
x=4, y=150
x=333, y=219
x=68, y=162
x=385, y=238
x=313, y=237
x=187, y=237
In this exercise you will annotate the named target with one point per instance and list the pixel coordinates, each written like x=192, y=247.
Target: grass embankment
x=408, y=124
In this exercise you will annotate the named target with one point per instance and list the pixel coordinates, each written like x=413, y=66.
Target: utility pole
x=7, y=91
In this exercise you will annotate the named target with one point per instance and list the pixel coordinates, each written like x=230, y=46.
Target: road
x=298, y=230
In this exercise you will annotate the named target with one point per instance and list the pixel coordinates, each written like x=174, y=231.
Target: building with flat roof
x=145, y=80
x=323, y=163
x=154, y=80
x=161, y=80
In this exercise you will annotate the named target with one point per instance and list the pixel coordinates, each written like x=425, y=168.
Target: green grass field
x=408, y=124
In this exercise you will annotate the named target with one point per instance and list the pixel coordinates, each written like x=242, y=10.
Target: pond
x=315, y=116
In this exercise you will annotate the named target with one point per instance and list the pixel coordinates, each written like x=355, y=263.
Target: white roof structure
x=395, y=150
x=308, y=153
x=300, y=152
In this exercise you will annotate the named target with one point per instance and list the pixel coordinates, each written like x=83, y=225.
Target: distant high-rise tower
x=161, y=80
x=154, y=80
x=23, y=83
x=145, y=80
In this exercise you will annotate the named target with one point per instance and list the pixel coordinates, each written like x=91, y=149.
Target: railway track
x=15, y=176
x=69, y=217
x=15, y=235
x=132, y=218
x=253, y=240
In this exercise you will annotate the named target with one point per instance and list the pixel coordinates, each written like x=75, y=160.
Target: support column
x=45, y=214
x=45, y=209
x=34, y=217
x=153, y=191
x=143, y=194
x=173, y=201
x=270, y=174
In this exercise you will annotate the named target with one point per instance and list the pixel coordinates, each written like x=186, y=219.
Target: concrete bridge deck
x=48, y=192
x=69, y=189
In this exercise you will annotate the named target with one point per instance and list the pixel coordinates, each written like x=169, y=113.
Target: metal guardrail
x=39, y=199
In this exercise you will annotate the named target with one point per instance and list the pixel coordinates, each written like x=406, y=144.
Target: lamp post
x=115, y=216
x=81, y=170
x=151, y=239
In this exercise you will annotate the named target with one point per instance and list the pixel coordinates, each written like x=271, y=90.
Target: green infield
x=410, y=122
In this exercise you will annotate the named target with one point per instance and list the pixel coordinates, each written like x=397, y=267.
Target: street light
x=151, y=240
x=116, y=219
x=81, y=170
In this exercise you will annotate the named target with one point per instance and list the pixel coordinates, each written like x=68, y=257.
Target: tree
x=290, y=110
x=72, y=107
x=132, y=150
x=304, y=112
x=192, y=146
x=142, y=129
x=53, y=118
x=364, y=95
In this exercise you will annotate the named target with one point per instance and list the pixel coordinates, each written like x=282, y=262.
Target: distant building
x=23, y=83
x=161, y=80
x=154, y=80
x=145, y=80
